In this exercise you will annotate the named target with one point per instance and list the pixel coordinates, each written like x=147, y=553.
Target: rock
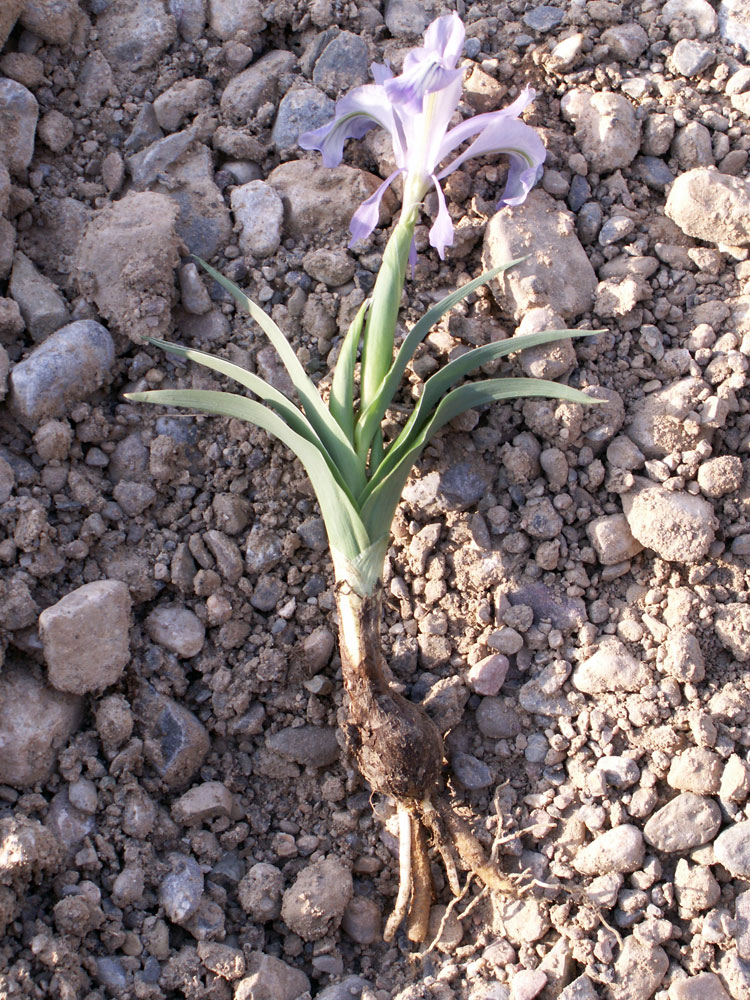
x=626, y=41
x=69, y=366
x=255, y=86
x=342, y=65
x=312, y=746
x=404, y=17
x=8, y=14
x=203, y=802
x=176, y=742
x=269, y=978
x=204, y=223
x=27, y=850
x=689, y=58
x=190, y=16
x=679, y=527
x=606, y=129
x=301, y=110
x=581, y=988
x=177, y=629
x=193, y=295
x=543, y=18
x=54, y=21
x=222, y=959
x=472, y=773
x=616, y=228
x=315, y=903
x=695, y=888
x=41, y=305
x=732, y=849
x=529, y=983
x=85, y=637
x=734, y=23
x=259, y=210
x=556, y=274
x=35, y=722
x=53, y=241
x=660, y=425
x=704, y=986
x=654, y=172
x=56, y=131
x=260, y=891
x=317, y=649
x=126, y=264
x=133, y=34
x=549, y=361
x=696, y=770
x=619, y=772
x=227, y=555
x=459, y=485
x=488, y=675
x=332, y=267
x=497, y=719
x=323, y=199
x=566, y=54
x=697, y=15
x=687, y=821
x=735, y=780
x=263, y=550
x=525, y=921
x=227, y=17
x=620, y=849
x=711, y=206
x=717, y=477
x=610, y=668
x=732, y=625
x=96, y=82
x=180, y=101
x=180, y=892
x=742, y=917
x=638, y=970
x=681, y=656
x=612, y=540
x=362, y=921
x=18, y=117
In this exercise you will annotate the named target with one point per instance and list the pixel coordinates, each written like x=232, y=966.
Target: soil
x=566, y=592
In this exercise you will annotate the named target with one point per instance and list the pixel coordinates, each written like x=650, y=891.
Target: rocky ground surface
x=567, y=588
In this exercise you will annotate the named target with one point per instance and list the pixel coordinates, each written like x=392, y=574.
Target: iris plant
x=358, y=477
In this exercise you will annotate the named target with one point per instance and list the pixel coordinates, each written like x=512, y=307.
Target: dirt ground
x=567, y=590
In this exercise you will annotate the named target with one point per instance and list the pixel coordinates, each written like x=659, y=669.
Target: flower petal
x=355, y=114
x=473, y=126
x=380, y=73
x=441, y=233
x=367, y=215
x=431, y=67
x=445, y=38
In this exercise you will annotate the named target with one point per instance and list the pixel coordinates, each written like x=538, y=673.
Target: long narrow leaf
x=380, y=498
x=369, y=419
x=341, y=403
x=345, y=528
x=327, y=429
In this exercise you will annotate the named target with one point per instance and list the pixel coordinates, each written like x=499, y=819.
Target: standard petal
x=445, y=38
x=410, y=88
x=517, y=140
x=361, y=110
x=473, y=126
x=367, y=215
x=380, y=73
x=441, y=233
x=521, y=179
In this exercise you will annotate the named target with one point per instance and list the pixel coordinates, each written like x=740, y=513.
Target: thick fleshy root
x=399, y=751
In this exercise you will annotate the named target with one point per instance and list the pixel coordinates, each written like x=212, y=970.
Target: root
x=405, y=829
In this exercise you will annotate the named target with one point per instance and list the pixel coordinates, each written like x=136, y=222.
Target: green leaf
x=369, y=419
x=381, y=496
x=330, y=433
x=345, y=528
x=341, y=403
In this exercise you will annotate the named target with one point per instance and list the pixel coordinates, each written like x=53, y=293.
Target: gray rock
x=267, y=593
x=203, y=802
x=734, y=23
x=227, y=17
x=203, y=222
x=581, y=988
x=342, y=65
x=177, y=629
x=638, y=970
x=626, y=41
x=697, y=15
x=41, y=305
x=35, y=722
x=133, y=34
x=497, y=719
x=472, y=773
x=193, y=295
x=405, y=17
x=333, y=267
x=679, y=527
x=269, y=977
x=610, y=668
x=557, y=272
x=696, y=769
x=263, y=550
x=659, y=424
x=111, y=974
x=56, y=131
x=85, y=637
x=8, y=14
x=689, y=58
x=133, y=498
x=227, y=555
x=70, y=365
x=312, y=532
x=181, y=891
x=258, y=84
x=692, y=146
x=146, y=130
x=176, y=741
x=606, y=128
x=732, y=626
x=96, y=82
x=18, y=117
x=681, y=656
x=323, y=199
x=314, y=905
x=146, y=165
x=543, y=18
x=311, y=746
x=190, y=16
x=260, y=212
x=589, y=222
x=300, y=110
x=616, y=229
x=654, y=172
x=687, y=821
x=711, y=206
x=549, y=361
x=260, y=892
x=612, y=539
x=53, y=22
x=619, y=772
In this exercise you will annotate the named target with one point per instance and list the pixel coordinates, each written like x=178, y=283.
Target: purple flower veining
x=416, y=108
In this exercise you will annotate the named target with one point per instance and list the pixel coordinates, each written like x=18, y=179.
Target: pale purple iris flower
x=416, y=108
